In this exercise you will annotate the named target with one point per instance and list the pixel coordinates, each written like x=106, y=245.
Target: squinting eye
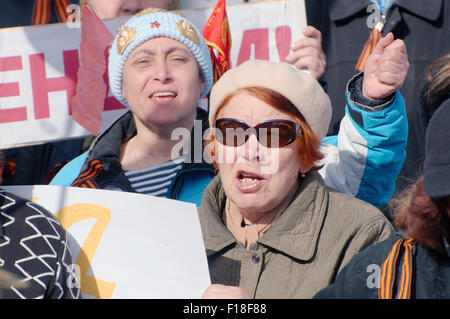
x=178, y=59
x=142, y=61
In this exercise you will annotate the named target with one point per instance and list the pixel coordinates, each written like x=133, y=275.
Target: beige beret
x=297, y=86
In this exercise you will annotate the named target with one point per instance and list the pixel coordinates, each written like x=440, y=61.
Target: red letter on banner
x=111, y=104
x=11, y=89
x=260, y=39
x=283, y=39
x=43, y=85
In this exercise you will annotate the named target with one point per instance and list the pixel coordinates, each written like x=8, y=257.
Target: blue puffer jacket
x=362, y=161
x=366, y=156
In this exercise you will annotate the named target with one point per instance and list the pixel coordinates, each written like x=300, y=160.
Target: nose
x=130, y=7
x=161, y=72
x=252, y=150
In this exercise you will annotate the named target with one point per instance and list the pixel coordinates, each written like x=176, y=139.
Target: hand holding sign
x=217, y=291
x=307, y=53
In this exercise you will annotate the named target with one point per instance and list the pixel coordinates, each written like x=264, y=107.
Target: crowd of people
x=290, y=203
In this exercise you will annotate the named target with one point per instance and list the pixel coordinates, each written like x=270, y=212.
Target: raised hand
x=386, y=68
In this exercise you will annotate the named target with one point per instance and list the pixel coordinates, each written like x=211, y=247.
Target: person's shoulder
x=341, y=200
x=360, y=277
x=34, y=247
x=354, y=210
x=18, y=211
x=375, y=254
x=381, y=249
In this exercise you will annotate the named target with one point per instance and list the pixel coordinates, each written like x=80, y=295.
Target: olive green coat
x=302, y=251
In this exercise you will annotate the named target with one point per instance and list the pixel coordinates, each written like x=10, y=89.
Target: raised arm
x=364, y=159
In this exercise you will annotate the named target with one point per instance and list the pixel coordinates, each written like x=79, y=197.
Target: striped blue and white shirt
x=156, y=180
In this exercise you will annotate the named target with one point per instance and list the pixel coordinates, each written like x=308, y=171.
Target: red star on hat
x=154, y=24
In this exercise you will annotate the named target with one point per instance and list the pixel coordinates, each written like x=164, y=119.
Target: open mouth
x=248, y=182
x=163, y=96
x=245, y=177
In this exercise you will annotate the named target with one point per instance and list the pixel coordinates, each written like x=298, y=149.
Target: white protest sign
x=38, y=66
x=128, y=245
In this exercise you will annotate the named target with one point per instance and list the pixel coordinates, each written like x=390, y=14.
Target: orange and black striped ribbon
x=388, y=274
x=406, y=279
x=370, y=45
x=42, y=11
x=86, y=179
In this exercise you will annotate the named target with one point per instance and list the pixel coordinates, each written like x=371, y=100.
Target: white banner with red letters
x=38, y=66
x=127, y=245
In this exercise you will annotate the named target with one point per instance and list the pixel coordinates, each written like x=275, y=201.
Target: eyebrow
x=153, y=52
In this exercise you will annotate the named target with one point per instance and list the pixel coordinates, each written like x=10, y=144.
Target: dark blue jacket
x=363, y=276
x=100, y=166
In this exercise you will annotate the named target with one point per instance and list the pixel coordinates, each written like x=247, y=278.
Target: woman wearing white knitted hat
x=271, y=227
x=159, y=67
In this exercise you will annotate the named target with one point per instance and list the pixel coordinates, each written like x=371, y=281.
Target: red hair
x=308, y=143
x=422, y=217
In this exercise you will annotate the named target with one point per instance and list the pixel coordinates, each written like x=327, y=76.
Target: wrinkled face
x=162, y=84
x=113, y=8
x=256, y=178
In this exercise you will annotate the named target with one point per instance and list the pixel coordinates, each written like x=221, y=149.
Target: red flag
x=218, y=37
x=91, y=90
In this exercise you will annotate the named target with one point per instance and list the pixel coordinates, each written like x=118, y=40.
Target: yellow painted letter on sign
x=73, y=214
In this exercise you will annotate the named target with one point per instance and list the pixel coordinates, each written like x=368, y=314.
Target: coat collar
x=429, y=10
x=294, y=233
x=108, y=144
x=342, y=9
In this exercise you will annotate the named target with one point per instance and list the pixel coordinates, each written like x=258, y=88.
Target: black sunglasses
x=271, y=133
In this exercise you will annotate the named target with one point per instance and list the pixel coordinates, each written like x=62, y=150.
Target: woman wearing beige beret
x=271, y=227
